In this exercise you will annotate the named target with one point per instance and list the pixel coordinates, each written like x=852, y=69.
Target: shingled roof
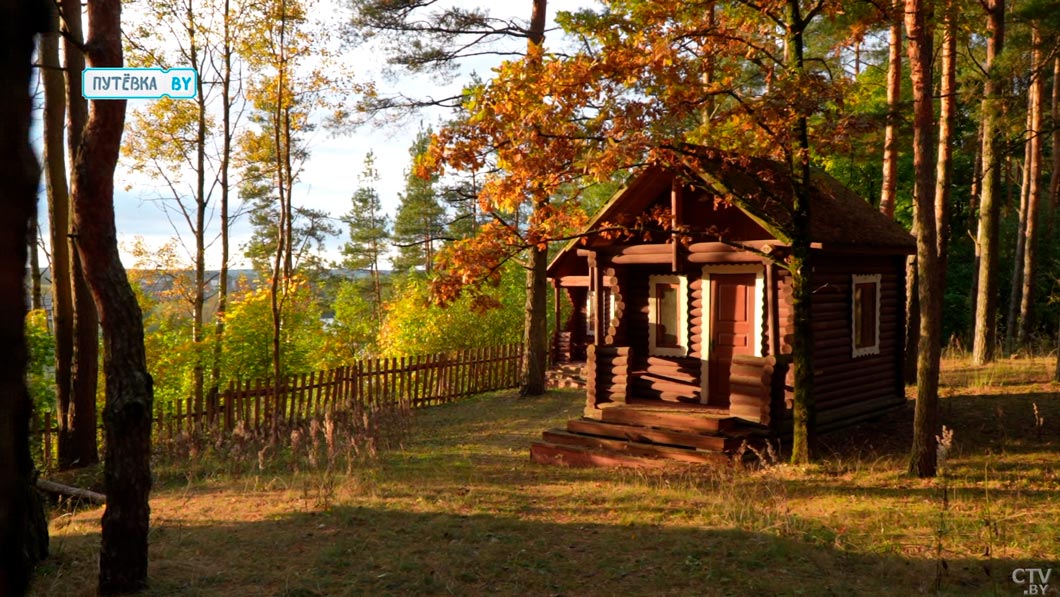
x=763, y=189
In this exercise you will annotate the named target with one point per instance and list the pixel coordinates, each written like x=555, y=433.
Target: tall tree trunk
x=59, y=228
x=803, y=410
x=199, y=297
x=84, y=370
x=1033, y=166
x=283, y=240
x=129, y=396
x=36, y=298
x=1054, y=180
x=923, y=458
x=973, y=219
x=1016, y=285
x=226, y=162
x=894, y=98
x=911, y=333
x=23, y=528
x=84, y=366
x=535, y=330
x=947, y=121
x=990, y=202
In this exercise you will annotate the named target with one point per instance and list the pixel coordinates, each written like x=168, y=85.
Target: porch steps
x=637, y=433
x=590, y=442
x=668, y=420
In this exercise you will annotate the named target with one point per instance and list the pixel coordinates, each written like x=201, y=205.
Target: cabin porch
x=622, y=428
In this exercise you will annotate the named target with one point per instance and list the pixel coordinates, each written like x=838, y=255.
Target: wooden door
x=732, y=322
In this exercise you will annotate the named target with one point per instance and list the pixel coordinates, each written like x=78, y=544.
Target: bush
x=414, y=325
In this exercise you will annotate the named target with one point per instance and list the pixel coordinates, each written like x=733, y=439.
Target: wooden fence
x=411, y=381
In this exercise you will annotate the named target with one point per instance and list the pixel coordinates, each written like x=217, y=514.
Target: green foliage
x=354, y=331
x=40, y=370
x=414, y=325
x=247, y=350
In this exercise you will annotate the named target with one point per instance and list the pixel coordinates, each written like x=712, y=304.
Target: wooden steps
x=669, y=419
x=640, y=438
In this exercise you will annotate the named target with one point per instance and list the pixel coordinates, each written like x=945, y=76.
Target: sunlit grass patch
x=459, y=508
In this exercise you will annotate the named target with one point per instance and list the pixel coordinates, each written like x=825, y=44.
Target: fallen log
x=67, y=490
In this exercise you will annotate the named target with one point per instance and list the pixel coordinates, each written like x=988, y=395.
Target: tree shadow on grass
x=460, y=510
x=371, y=551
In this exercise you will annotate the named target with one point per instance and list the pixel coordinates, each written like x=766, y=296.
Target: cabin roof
x=761, y=188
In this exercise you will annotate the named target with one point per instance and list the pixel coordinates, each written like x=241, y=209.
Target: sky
x=331, y=174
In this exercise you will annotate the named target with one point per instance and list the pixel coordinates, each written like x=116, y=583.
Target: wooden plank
x=735, y=257
x=564, y=438
x=664, y=385
x=645, y=434
x=676, y=422
x=257, y=405
x=571, y=456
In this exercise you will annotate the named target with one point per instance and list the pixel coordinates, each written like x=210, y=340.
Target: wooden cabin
x=685, y=328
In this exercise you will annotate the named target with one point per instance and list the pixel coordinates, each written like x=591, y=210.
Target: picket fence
x=414, y=382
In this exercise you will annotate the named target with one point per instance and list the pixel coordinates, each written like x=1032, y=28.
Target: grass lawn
x=461, y=510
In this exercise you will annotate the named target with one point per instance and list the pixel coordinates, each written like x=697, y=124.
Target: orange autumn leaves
x=647, y=78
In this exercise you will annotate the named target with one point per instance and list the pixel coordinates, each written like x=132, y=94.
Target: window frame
x=855, y=321
x=682, y=347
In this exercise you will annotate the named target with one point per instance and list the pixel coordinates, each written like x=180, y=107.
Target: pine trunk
x=1033, y=167
x=1054, y=180
x=128, y=389
x=59, y=228
x=84, y=371
x=23, y=527
x=1016, y=282
x=911, y=333
x=990, y=202
x=894, y=98
x=947, y=122
x=929, y=287
x=80, y=420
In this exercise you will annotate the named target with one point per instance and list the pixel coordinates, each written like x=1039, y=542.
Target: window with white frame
x=668, y=316
x=865, y=315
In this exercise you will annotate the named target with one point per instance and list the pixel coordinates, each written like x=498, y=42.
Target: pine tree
x=368, y=232
x=420, y=223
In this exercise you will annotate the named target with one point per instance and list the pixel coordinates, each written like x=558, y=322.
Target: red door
x=732, y=316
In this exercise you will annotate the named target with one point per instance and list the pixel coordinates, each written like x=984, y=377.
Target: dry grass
x=461, y=510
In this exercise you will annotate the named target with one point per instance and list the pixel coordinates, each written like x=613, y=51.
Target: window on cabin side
x=667, y=315
x=865, y=315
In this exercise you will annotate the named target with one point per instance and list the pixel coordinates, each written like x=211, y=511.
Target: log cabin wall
x=847, y=387
x=662, y=377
